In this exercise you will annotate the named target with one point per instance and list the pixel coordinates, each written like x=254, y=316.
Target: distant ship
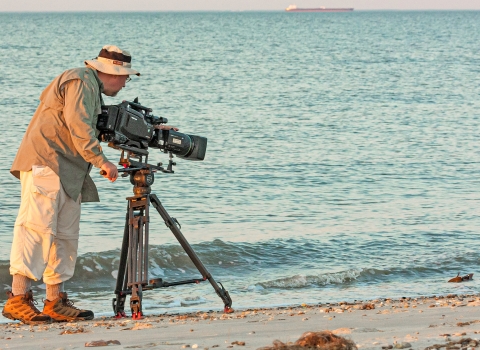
x=294, y=8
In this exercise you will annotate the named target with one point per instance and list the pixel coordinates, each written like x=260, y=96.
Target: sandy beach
x=416, y=323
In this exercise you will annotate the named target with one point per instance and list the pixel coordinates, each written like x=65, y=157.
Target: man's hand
x=110, y=171
x=165, y=127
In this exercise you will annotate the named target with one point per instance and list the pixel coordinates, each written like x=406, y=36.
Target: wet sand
x=415, y=323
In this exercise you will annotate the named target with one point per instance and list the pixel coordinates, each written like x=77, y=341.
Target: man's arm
x=79, y=113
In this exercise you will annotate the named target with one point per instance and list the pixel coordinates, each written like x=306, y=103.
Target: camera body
x=131, y=124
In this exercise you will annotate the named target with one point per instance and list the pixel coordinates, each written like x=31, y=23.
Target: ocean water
x=343, y=158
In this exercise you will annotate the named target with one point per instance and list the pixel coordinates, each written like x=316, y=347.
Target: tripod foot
x=137, y=315
x=228, y=310
x=120, y=314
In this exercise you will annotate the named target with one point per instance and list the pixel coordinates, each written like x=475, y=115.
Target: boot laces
x=68, y=303
x=32, y=302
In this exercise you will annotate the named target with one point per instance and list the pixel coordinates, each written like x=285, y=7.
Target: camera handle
x=132, y=278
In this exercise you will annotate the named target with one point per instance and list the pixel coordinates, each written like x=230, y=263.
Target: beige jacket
x=62, y=133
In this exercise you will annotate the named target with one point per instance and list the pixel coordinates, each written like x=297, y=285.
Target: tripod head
x=141, y=173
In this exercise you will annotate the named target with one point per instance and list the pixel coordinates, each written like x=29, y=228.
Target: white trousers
x=45, y=236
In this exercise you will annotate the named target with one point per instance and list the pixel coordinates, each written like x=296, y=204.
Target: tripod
x=132, y=276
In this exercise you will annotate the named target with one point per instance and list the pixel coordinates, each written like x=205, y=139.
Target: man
x=53, y=164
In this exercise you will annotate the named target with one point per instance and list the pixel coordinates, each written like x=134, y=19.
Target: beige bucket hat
x=113, y=60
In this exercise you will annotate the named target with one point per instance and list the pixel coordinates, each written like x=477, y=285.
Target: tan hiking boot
x=22, y=308
x=62, y=309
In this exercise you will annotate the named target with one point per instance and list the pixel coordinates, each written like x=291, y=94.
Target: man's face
x=114, y=84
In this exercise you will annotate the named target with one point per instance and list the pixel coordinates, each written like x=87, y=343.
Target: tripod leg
x=119, y=300
x=138, y=254
x=221, y=292
x=146, y=243
x=136, y=302
x=136, y=299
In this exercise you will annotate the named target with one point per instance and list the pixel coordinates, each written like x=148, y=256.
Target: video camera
x=131, y=124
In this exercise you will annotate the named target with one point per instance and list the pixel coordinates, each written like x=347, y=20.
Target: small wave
x=303, y=281
x=101, y=268
x=192, y=301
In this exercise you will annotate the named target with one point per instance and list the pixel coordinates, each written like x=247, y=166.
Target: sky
x=228, y=5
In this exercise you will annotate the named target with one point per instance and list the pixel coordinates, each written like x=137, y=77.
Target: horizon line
x=166, y=11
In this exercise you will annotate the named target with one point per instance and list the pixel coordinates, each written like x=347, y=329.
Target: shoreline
x=415, y=323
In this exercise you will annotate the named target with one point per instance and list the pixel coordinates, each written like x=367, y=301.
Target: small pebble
x=240, y=343
x=96, y=343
